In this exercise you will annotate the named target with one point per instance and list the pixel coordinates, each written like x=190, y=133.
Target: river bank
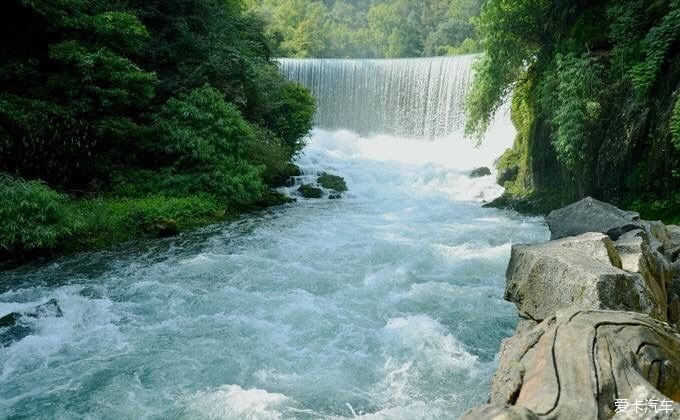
x=600, y=308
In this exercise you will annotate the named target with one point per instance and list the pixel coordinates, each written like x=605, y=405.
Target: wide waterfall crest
x=419, y=97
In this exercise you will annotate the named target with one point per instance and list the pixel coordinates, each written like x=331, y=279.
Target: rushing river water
x=386, y=304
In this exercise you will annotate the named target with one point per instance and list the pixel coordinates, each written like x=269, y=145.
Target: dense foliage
x=130, y=100
x=595, y=90
x=370, y=28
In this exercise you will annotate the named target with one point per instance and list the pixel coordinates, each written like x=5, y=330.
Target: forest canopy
x=369, y=28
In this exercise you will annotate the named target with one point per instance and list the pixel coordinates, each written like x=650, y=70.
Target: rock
x=576, y=364
x=591, y=215
x=335, y=196
x=309, y=191
x=480, y=172
x=657, y=235
x=583, y=272
x=674, y=295
x=14, y=326
x=639, y=256
x=673, y=251
x=507, y=175
x=332, y=182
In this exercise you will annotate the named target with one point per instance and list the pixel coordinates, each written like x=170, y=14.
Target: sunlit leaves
x=512, y=34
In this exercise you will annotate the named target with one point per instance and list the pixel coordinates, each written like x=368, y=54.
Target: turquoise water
x=385, y=304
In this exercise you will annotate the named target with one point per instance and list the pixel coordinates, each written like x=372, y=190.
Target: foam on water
x=386, y=304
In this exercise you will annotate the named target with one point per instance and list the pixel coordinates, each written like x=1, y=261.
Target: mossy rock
x=309, y=191
x=332, y=182
x=480, y=172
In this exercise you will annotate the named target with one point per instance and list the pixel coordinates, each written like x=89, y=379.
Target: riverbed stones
x=576, y=364
x=332, y=182
x=310, y=191
x=480, y=172
x=591, y=215
x=582, y=272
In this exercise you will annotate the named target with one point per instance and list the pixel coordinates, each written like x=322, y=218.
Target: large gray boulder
x=575, y=365
x=583, y=272
x=591, y=215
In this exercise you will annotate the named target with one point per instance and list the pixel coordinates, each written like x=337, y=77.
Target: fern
x=675, y=124
x=576, y=107
x=657, y=44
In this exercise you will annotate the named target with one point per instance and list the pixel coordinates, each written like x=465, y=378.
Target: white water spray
x=417, y=98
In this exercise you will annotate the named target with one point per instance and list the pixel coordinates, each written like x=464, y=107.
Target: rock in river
x=480, y=172
x=309, y=191
x=15, y=326
x=332, y=182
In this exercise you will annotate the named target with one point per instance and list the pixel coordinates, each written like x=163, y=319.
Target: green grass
x=108, y=221
x=38, y=220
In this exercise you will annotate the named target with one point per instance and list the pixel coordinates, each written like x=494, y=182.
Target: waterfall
x=419, y=97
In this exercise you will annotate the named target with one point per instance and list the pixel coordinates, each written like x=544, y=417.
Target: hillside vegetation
x=595, y=97
x=125, y=118
x=369, y=28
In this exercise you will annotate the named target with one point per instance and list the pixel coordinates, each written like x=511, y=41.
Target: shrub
x=34, y=217
x=205, y=139
x=201, y=127
x=272, y=153
x=291, y=114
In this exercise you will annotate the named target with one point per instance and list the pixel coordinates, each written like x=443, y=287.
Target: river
x=386, y=304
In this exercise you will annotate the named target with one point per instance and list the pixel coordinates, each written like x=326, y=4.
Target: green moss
x=309, y=191
x=332, y=182
x=595, y=101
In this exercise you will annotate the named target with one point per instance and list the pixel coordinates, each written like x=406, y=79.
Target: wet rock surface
x=17, y=325
x=599, y=307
